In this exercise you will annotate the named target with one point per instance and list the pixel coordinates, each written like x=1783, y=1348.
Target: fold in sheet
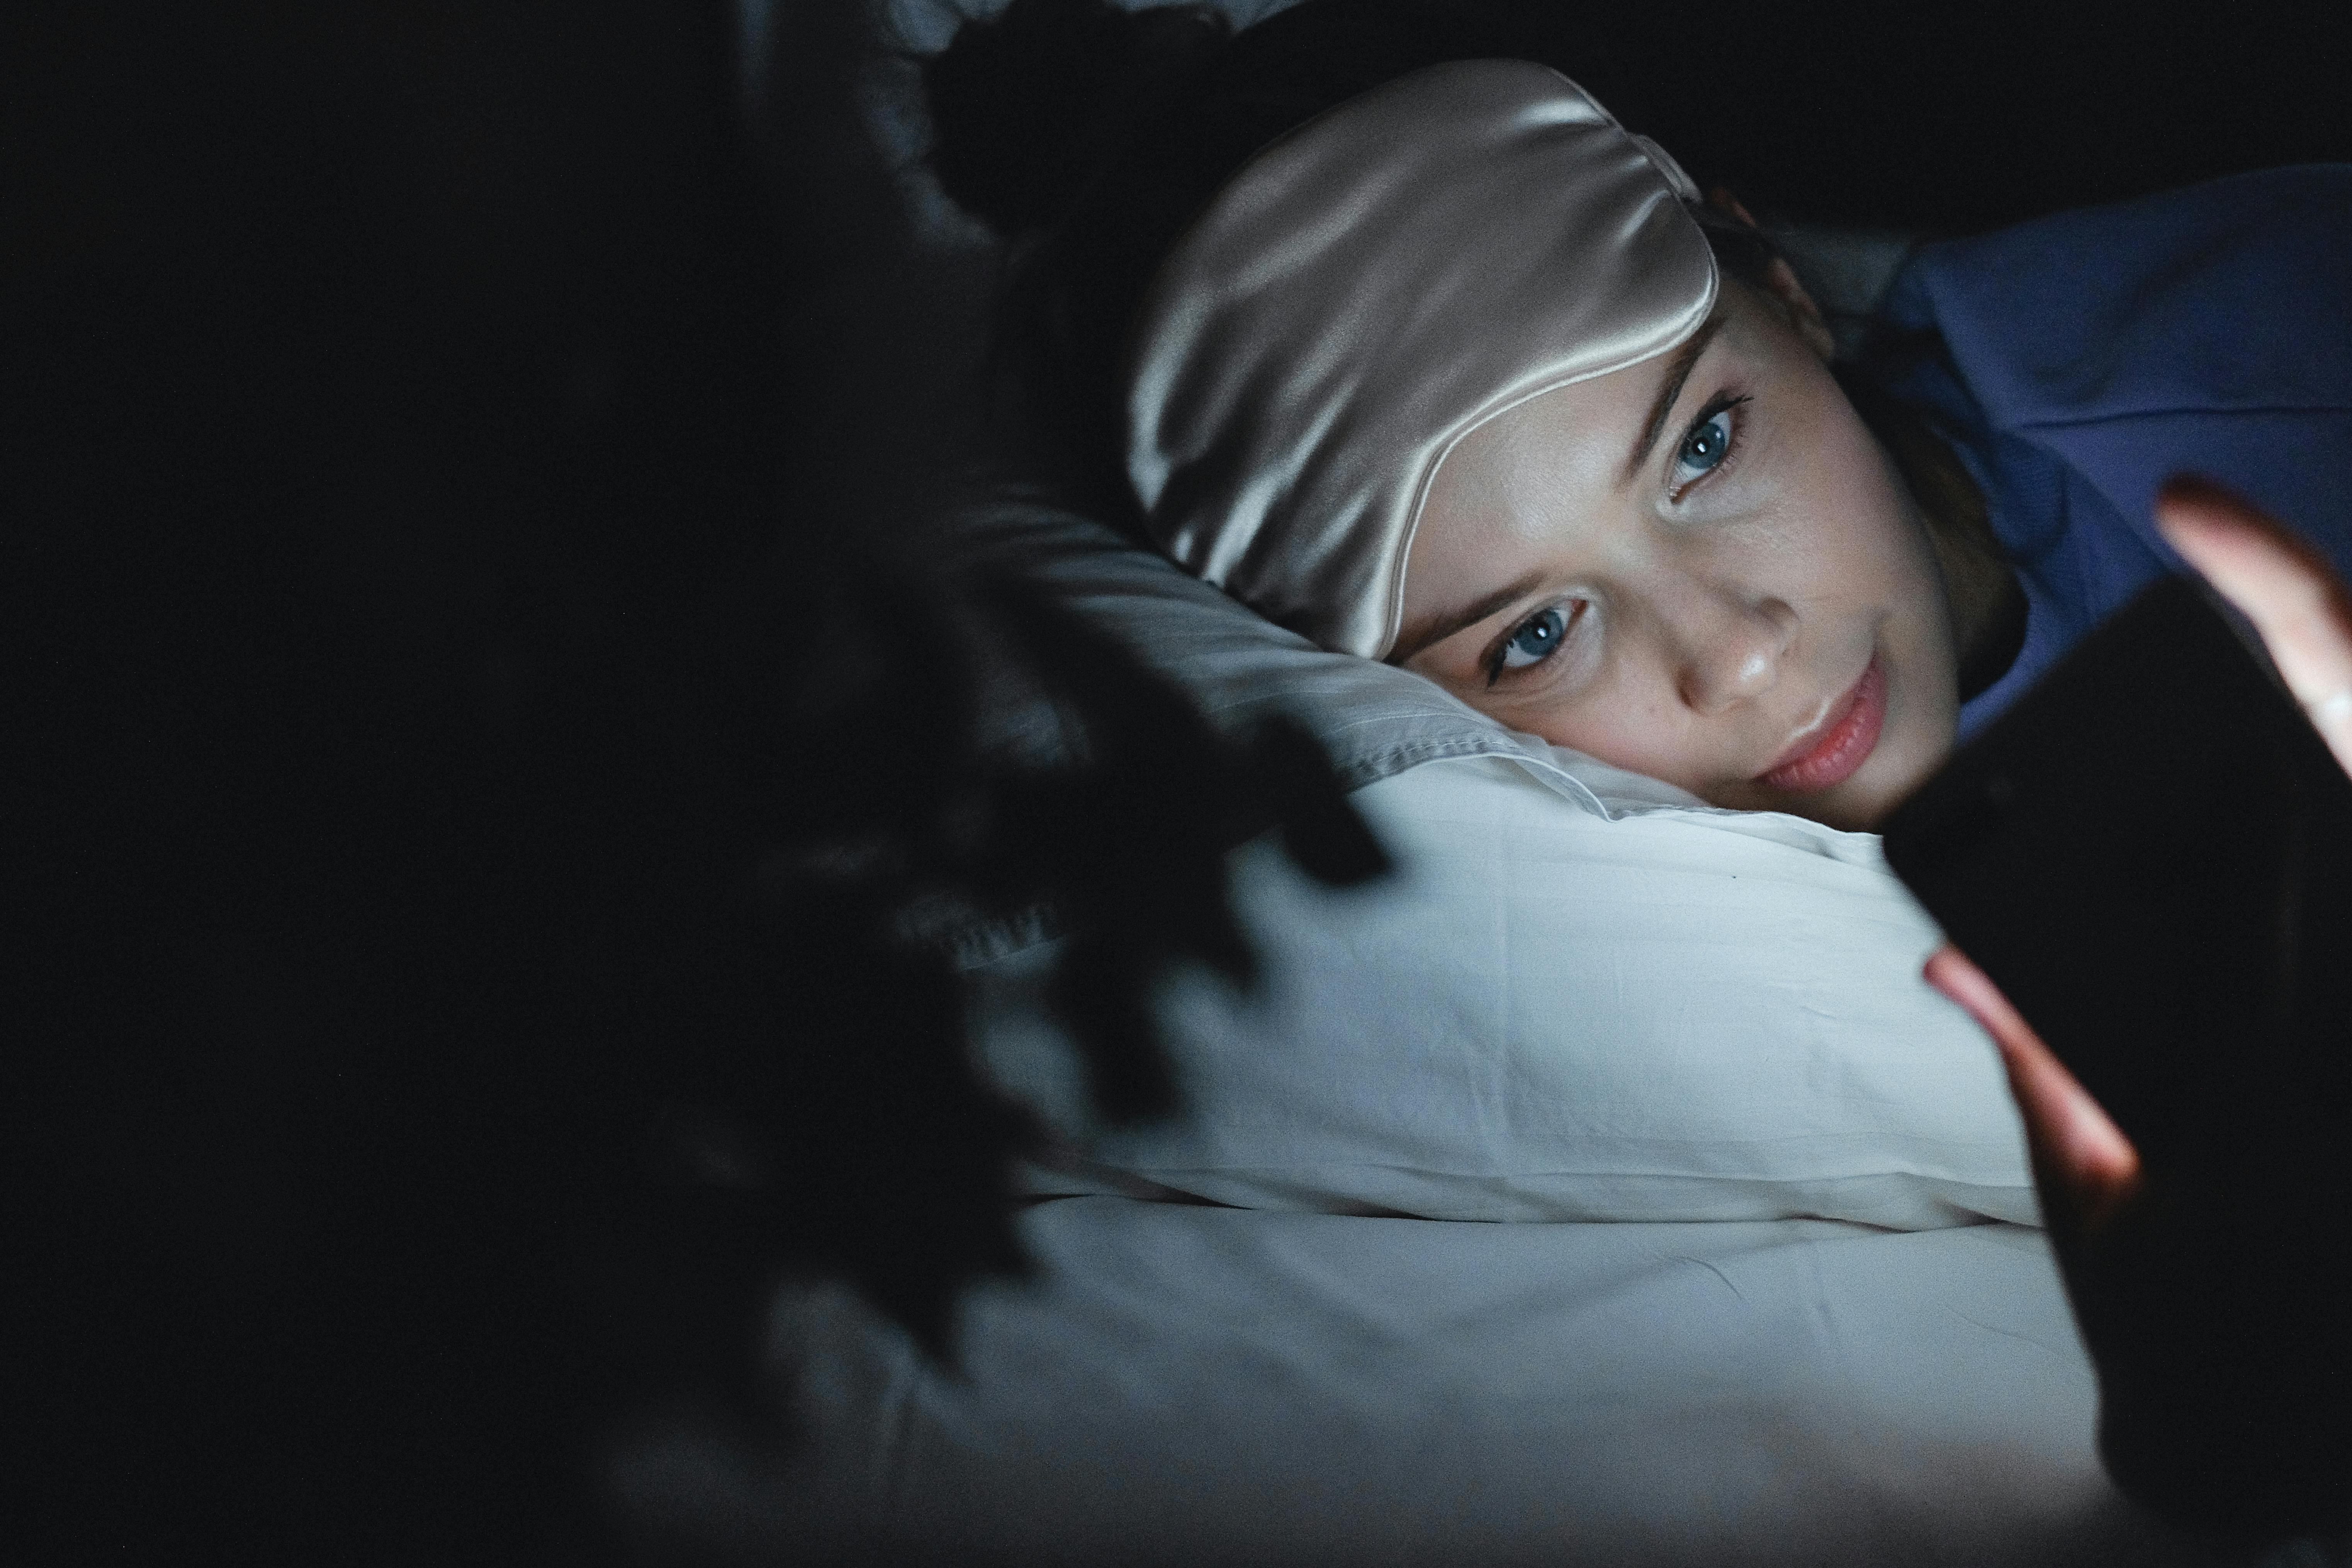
x=1185, y=1387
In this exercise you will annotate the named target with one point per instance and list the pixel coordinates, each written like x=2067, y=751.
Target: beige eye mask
x=1366, y=292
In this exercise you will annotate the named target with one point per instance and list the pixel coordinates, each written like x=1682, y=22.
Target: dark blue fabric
x=2077, y=362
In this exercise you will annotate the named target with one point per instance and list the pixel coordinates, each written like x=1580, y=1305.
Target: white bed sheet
x=1192, y=1385
x=1557, y=1011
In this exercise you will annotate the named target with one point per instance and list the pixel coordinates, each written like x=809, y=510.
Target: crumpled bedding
x=1560, y=1009
x=1196, y=1384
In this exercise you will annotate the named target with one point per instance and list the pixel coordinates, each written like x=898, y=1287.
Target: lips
x=1830, y=754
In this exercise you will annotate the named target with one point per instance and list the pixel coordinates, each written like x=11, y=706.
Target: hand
x=2283, y=586
x=2083, y=1166
x=2158, y=1426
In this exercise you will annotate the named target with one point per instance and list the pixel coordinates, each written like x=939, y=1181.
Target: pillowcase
x=1373, y=719
x=1585, y=995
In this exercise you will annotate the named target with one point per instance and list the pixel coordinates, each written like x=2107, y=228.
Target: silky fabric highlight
x=1368, y=289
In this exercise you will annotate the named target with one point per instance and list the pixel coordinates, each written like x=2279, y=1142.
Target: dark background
x=460, y=478
x=1950, y=119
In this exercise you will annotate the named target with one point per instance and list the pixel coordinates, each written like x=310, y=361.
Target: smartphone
x=2151, y=855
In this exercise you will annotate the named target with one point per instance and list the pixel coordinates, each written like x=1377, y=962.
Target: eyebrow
x=1678, y=371
x=1433, y=629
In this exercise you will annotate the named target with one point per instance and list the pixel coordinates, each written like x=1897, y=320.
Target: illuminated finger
x=2076, y=1146
x=2288, y=590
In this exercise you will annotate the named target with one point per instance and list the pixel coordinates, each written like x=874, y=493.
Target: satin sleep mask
x=1369, y=289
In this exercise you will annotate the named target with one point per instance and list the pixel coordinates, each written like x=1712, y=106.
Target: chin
x=1920, y=731
x=1847, y=809
x=1900, y=766
x=1862, y=813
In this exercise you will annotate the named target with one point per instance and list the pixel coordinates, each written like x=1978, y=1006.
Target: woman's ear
x=1780, y=283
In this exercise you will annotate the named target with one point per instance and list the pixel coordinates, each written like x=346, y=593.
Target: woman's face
x=1702, y=568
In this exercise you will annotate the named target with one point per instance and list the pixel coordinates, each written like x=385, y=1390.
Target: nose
x=1732, y=646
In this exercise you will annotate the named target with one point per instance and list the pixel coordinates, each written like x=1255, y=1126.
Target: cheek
x=1877, y=560
x=1629, y=717
x=1861, y=534
x=1857, y=506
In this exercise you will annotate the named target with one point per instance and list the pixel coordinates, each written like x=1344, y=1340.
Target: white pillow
x=1585, y=996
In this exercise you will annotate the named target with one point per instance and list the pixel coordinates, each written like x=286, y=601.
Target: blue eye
x=1536, y=638
x=1704, y=446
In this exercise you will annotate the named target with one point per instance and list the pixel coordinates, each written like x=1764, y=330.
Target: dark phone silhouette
x=2151, y=855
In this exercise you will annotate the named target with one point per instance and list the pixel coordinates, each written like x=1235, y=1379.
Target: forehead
x=1577, y=443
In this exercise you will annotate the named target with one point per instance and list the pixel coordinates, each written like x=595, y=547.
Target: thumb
x=2082, y=1162
x=2283, y=584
